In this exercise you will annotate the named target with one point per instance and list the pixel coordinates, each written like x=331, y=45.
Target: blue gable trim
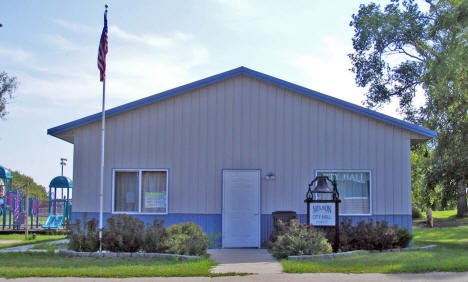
x=254, y=74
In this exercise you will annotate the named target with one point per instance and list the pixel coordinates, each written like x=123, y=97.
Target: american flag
x=101, y=61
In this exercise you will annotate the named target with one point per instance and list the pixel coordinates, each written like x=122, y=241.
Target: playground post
x=26, y=211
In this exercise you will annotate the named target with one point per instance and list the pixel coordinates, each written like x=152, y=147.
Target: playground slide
x=57, y=222
x=50, y=219
x=53, y=221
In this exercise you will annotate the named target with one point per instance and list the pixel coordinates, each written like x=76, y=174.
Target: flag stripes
x=101, y=62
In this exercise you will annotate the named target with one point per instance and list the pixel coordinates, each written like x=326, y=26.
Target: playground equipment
x=13, y=203
x=55, y=220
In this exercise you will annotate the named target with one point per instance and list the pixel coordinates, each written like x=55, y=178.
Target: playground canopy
x=55, y=220
x=5, y=173
x=61, y=182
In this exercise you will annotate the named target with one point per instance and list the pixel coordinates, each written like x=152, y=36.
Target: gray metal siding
x=246, y=124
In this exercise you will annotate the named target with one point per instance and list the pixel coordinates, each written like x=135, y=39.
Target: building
x=228, y=150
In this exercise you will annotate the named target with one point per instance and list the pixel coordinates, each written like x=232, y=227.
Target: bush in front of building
x=123, y=233
x=186, y=238
x=84, y=239
x=370, y=236
x=294, y=239
x=155, y=237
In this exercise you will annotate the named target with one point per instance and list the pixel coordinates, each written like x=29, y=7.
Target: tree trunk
x=462, y=208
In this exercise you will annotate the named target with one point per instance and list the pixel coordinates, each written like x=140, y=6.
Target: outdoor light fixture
x=270, y=176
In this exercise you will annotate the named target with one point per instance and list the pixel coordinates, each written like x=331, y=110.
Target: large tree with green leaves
x=401, y=50
x=8, y=86
x=20, y=180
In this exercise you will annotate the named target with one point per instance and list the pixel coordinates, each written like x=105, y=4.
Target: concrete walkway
x=27, y=248
x=258, y=261
x=318, y=277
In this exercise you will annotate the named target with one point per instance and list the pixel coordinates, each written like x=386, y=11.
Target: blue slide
x=53, y=221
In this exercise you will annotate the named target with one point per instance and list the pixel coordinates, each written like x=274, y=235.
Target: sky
x=51, y=47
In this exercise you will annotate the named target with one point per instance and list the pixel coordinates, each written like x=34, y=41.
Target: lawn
x=42, y=219
x=39, y=238
x=50, y=247
x=443, y=218
x=14, y=265
x=450, y=255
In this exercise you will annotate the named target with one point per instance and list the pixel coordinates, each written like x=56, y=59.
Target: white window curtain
x=354, y=189
x=126, y=191
x=153, y=189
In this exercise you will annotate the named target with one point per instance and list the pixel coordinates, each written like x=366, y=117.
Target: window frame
x=370, y=188
x=140, y=172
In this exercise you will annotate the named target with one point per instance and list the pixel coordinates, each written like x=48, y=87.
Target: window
x=354, y=187
x=140, y=191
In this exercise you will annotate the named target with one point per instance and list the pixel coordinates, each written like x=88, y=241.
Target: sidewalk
x=27, y=248
x=258, y=261
x=318, y=277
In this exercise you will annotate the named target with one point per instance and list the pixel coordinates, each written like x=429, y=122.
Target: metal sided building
x=228, y=150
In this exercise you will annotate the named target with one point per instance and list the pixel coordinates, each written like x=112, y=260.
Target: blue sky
x=51, y=47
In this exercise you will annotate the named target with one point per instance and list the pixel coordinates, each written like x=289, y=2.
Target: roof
x=5, y=173
x=251, y=73
x=61, y=182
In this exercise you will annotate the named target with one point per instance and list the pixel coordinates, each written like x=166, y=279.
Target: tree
x=8, y=85
x=20, y=180
x=402, y=50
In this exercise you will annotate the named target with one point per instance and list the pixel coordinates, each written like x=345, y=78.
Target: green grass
x=49, y=247
x=39, y=238
x=14, y=265
x=450, y=255
x=42, y=219
x=443, y=217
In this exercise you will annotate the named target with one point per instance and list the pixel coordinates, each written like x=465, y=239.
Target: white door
x=241, y=208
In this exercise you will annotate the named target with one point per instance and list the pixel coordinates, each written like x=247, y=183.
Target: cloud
x=62, y=43
x=152, y=40
x=329, y=73
x=16, y=54
x=72, y=26
x=237, y=7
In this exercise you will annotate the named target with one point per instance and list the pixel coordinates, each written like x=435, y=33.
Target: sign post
x=323, y=206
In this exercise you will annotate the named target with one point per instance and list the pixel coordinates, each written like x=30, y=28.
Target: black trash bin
x=284, y=216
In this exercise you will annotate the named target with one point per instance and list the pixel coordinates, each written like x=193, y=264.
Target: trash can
x=284, y=216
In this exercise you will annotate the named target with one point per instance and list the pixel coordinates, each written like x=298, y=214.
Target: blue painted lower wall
x=212, y=223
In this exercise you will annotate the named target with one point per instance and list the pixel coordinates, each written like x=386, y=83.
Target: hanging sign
x=322, y=214
x=155, y=200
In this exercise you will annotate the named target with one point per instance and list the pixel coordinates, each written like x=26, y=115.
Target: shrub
x=298, y=239
x=404, y=238
x=280, y=227
x=123, y=233
x=416, y=213
x=86, y=239
x=154, y=237
x=186, y=238
x=370, y=236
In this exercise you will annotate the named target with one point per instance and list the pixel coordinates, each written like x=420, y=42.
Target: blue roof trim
x=255, y=74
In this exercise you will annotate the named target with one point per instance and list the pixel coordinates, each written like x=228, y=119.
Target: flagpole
x=102, y=68
x=103, y=136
